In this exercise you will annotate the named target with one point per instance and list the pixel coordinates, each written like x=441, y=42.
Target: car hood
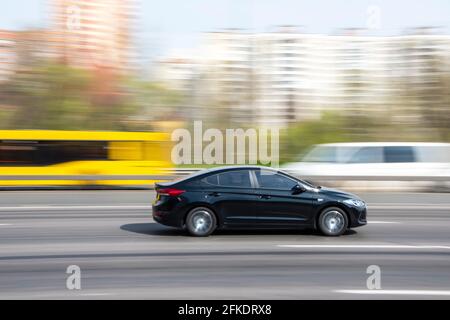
x=338, y=193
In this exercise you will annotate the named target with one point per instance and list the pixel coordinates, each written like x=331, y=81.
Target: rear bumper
x=167, y=218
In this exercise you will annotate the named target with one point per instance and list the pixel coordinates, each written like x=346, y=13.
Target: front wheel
x=201, y=222
x=333, y=222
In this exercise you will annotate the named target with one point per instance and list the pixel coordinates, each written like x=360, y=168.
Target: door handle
x=265, y=196
x=213, y=194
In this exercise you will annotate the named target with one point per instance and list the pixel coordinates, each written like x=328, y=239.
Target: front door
x=278, y=204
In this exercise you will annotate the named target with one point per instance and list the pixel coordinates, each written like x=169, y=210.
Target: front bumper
x=358, y=217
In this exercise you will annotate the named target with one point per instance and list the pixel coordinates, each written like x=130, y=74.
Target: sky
x=164, y=26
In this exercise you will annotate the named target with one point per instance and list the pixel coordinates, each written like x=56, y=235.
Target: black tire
x=333, y=222
x=201, y=222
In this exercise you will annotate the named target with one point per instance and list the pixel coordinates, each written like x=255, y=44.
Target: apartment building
x=94, y=33
x=8, y=54
x=286, y=75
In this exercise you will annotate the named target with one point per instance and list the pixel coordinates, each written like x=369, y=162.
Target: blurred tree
x=298, y=138
x=436, y=109
x=424, y=96
x=58, y=97
x=48, y=96
x=159, y=102
x=333, y=127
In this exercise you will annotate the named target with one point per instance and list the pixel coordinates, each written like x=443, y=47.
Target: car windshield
x=331, y=154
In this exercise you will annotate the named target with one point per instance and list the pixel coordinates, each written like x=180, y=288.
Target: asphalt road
x=123, y=254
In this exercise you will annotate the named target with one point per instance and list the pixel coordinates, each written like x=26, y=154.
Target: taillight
x=172, y=192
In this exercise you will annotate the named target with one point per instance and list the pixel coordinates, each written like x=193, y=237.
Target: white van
x=375, y=161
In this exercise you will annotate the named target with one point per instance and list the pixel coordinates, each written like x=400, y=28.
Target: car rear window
x=433, y=153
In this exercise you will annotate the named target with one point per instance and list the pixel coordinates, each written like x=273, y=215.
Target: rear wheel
x=201, y=222
x=333, y=222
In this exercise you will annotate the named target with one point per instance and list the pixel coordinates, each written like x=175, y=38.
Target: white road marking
x=409, y=204
x=408, y=207
x=4, y=224
x=144, y=207
x=107, y=207
x=399, y=292
x=383, y=222
x=362, y=246
x=96, y=294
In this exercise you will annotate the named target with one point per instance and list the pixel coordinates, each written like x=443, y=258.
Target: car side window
x=398, y=154
x=368, y=155
x=234, y=179
x=274, y=181
x=212, y=180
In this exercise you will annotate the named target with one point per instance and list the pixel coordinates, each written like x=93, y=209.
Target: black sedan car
x=254, y=197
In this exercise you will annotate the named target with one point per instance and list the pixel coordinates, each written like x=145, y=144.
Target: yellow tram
x=34, y=153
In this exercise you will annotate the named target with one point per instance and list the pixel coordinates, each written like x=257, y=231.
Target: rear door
x=233, y=195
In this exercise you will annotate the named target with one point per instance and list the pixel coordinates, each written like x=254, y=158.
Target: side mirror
x=297, y=189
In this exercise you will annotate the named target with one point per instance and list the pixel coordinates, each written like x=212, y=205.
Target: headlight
x=355, y=203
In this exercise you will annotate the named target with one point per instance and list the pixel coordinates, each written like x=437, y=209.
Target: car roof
x=209, y=171
x=386, y=144
x=240, y=167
